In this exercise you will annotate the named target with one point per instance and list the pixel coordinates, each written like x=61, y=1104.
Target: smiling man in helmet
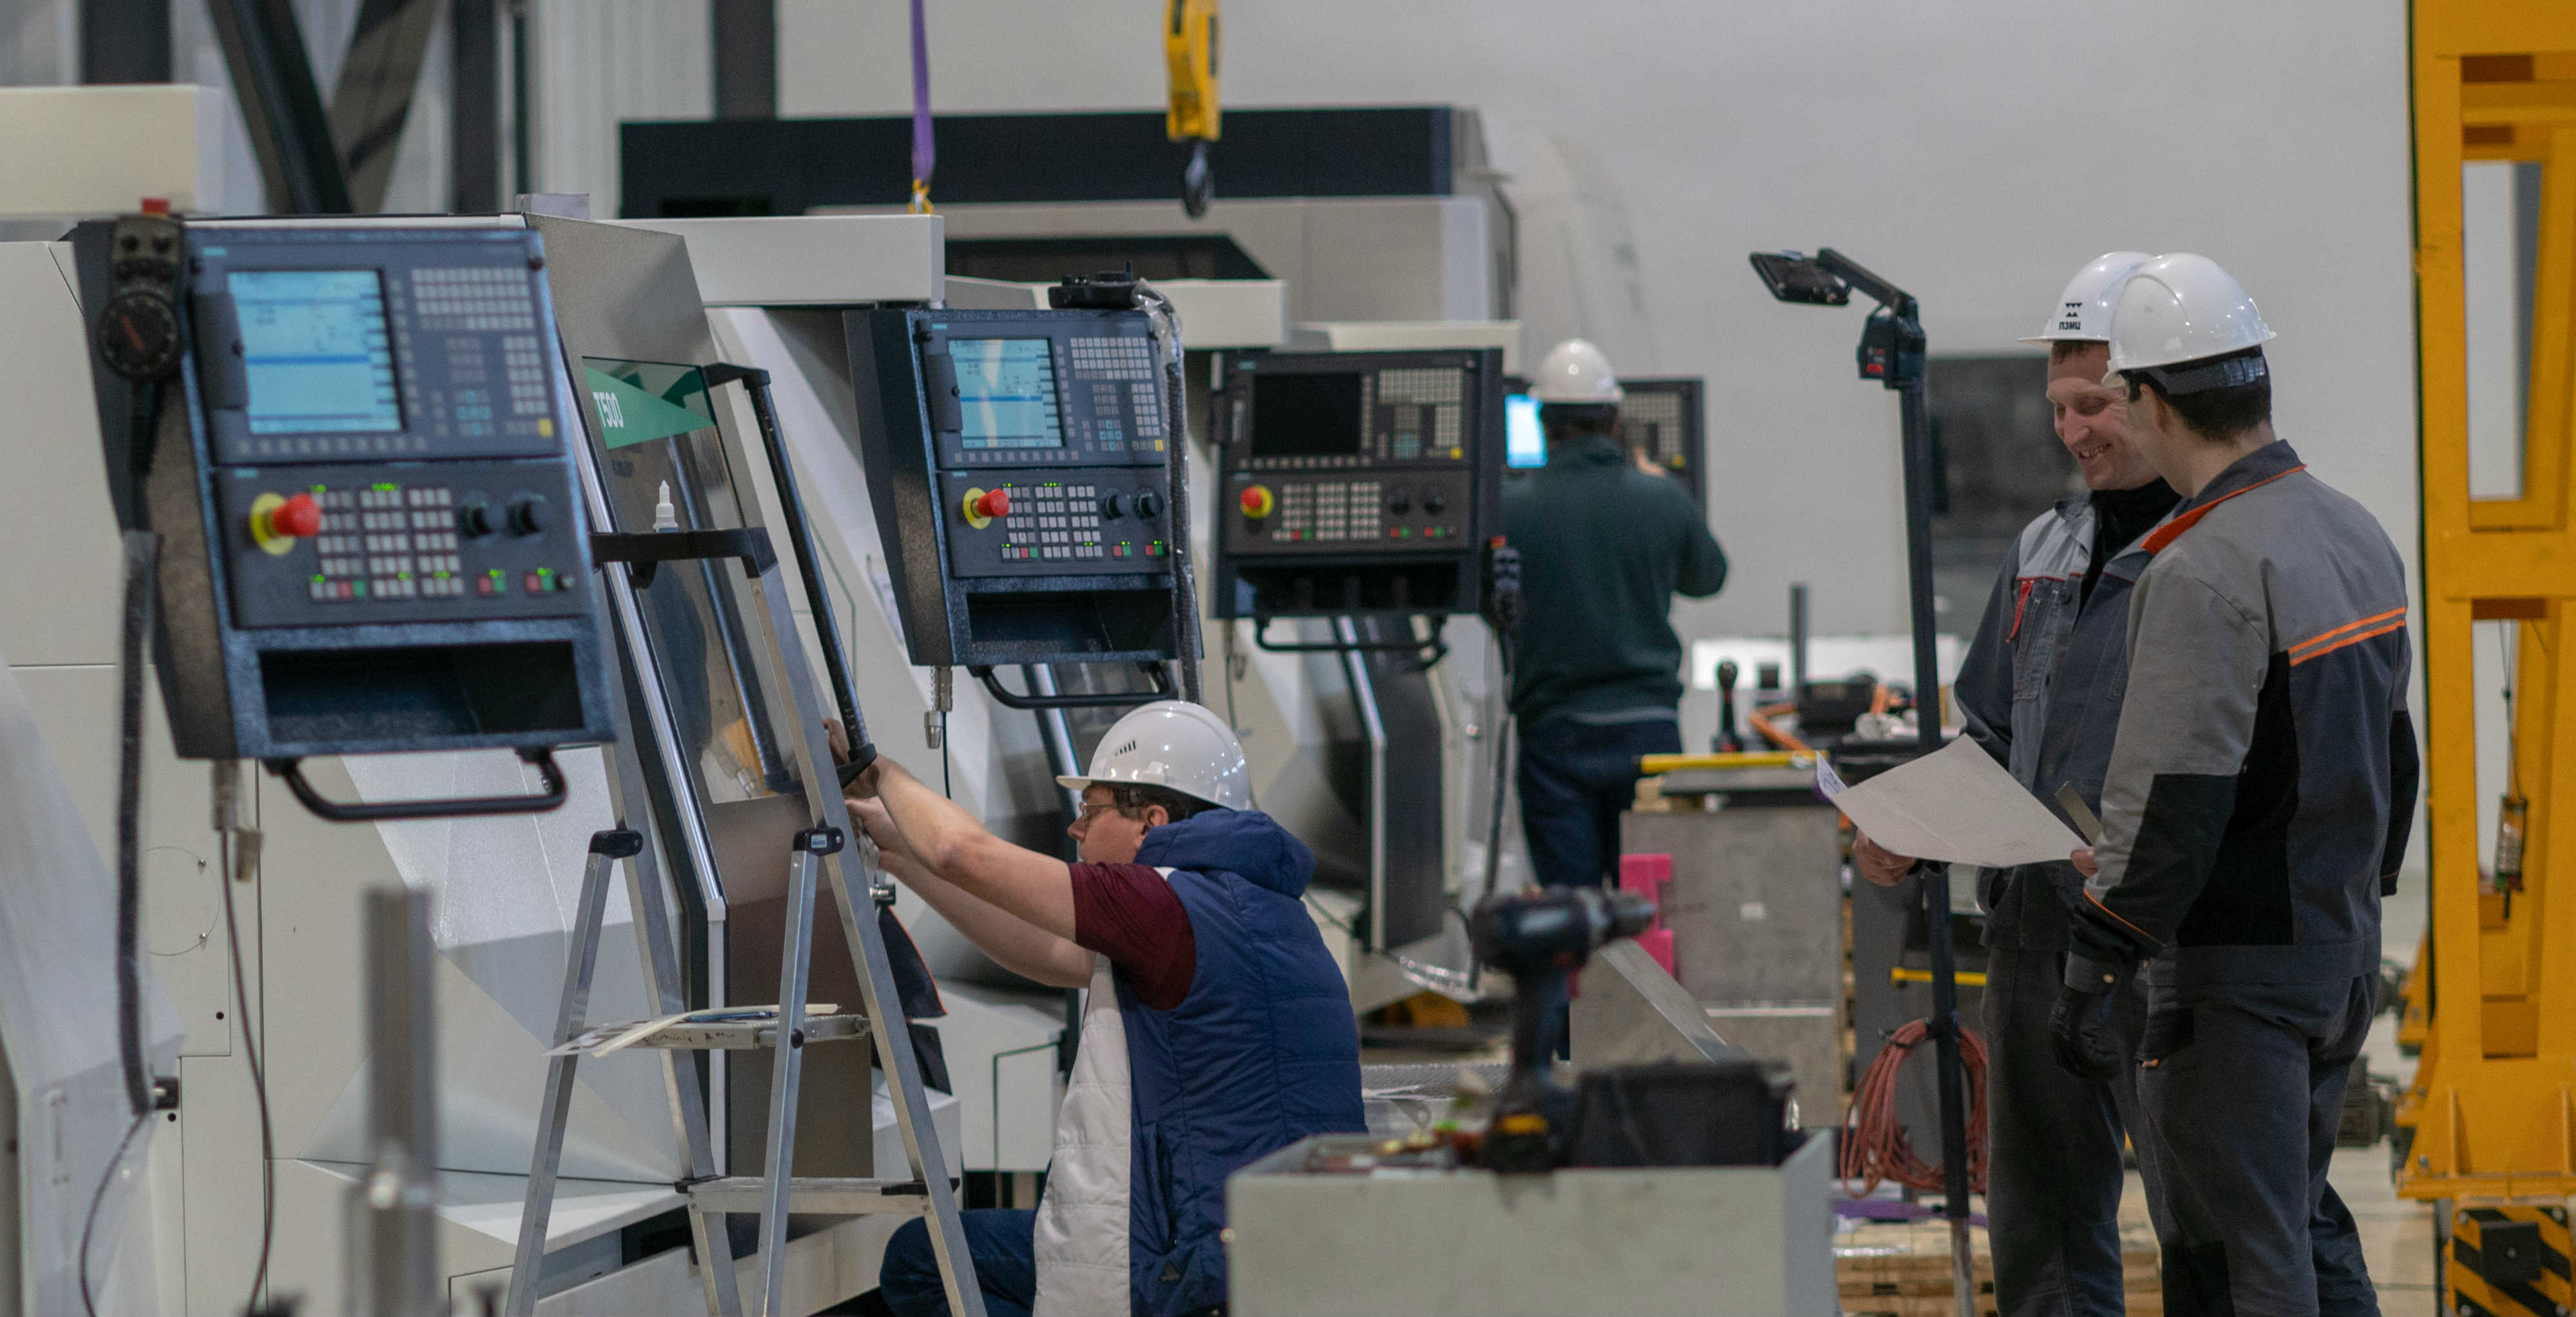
x=2040, y=690
x=1605, y=545
x=2255, y=812
x=1218, y=1031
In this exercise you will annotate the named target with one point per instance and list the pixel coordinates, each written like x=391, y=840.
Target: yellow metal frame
x=2493, y=1107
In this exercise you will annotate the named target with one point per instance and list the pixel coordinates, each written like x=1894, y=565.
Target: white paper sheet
x=1957, y=805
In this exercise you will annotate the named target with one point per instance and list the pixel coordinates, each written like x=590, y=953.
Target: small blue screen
x=1006, y=393
x=315, y=346
x=1524, y=443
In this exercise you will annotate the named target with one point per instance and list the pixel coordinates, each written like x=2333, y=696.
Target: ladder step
x=820, y=1195
x=736, y=1035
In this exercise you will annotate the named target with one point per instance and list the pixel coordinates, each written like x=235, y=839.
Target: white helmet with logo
x=2083, y=311
x=1177, y=746
x=1577, y=372
x=2181, y=308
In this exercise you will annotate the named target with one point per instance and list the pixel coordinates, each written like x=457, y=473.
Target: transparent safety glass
x=657, y=427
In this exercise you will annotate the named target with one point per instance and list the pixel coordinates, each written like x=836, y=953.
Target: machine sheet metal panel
x=58, y=1030
x=1734, y=1241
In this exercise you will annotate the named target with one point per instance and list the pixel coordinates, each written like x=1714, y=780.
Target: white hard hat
x=1175, y=745
x=2083, y=311
x=2183, y=308
x=1576, y=372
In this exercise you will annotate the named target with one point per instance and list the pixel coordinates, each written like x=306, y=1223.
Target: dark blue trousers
x=1003, y=1244
x=1576, y=779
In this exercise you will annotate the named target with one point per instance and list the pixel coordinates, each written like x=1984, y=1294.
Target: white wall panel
x=602, y=61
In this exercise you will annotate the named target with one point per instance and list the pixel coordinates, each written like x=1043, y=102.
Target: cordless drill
x=1540, y=936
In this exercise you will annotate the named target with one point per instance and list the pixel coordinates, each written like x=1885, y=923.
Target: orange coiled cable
x=1874, y=1143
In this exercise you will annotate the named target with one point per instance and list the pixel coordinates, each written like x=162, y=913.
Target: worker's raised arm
x=948, y=842
x=1703, y=570
x=2197, y=672
x=1016, y=944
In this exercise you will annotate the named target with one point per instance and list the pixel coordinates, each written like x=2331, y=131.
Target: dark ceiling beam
x=746, y=58
x=124, y=41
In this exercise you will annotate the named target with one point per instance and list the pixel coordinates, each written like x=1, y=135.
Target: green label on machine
x=628, y=414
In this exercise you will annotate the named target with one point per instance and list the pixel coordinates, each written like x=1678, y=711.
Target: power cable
x=1875, y=1147
x=258, y=1085
x=89, y=1222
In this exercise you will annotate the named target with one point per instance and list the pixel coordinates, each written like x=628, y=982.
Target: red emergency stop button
x=1257, y=502
x=277, y=523
x=298, y=516
x=983, y=505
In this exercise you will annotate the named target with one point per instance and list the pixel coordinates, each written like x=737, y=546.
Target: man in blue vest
x=1218, y=1031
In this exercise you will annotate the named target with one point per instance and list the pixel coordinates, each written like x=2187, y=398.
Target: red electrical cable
x=1874, y=1143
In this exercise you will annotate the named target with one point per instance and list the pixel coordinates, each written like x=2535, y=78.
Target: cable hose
x=1874, y=1146
x=1176, y=429
x=142, y=548
x=1502, y=767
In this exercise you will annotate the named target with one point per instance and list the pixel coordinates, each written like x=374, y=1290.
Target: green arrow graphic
x=629, y=415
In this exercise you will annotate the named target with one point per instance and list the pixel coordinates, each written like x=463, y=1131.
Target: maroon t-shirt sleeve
x=1128, y=913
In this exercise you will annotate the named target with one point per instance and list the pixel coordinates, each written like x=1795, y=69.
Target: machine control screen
x=382, y=418
x=1326, y=419
x=316, y=350
x=406, y=345
x=1006, y=393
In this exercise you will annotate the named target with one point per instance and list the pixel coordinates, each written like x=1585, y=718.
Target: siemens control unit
x=1017, y=461
x=1660, y=418
x=349, y=442
x=1358, y=482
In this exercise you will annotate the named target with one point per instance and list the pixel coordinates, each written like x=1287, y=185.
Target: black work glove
x=2079, y=1030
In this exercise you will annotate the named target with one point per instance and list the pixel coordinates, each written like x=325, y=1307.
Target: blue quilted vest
x=1261, y=1053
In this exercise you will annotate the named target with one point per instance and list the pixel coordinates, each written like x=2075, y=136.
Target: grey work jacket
x=2264, y=780
x=2040, y=690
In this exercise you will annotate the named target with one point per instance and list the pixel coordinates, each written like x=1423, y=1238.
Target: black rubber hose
x=142, y=549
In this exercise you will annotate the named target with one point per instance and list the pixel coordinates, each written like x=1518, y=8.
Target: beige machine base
x=1709, y=1241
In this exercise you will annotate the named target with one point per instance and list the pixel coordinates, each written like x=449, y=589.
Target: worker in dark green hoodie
x=1605, y=544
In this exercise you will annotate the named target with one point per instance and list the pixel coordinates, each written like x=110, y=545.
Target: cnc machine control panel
x=1017, y=461
x=1357, y=481
x=367, y=447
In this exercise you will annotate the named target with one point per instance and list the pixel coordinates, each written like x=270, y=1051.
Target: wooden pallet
x=1902, y=1269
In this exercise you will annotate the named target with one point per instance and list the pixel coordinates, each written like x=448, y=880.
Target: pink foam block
x=1646, y=875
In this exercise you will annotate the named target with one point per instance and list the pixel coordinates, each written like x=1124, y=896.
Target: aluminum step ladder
x=822, y=857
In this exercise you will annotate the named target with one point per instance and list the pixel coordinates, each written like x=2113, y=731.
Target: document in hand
x=1956, y=804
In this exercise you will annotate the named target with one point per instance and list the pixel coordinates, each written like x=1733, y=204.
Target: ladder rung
x=733, y=1035
x=821, y=1195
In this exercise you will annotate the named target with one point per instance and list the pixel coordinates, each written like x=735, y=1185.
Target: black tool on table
x=1540, y=936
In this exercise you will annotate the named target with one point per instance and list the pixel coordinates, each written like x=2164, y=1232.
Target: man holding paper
x=2255, y=813
x=2040, y=692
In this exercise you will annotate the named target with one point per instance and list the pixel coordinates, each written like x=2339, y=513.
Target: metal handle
x=1162, y=690
x=541, y=756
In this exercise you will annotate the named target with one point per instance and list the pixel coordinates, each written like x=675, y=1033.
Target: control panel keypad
x=442, y=545
x=1095, y=522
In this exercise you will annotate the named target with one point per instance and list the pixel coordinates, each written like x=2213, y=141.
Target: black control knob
x=528, y=514
x=474, y=520
x=1399, y=500
x=1112, y=506
x=1149, y=504
x=1434, y=502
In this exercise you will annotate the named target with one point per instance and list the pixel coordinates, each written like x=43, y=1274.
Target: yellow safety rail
x=1652, y=765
